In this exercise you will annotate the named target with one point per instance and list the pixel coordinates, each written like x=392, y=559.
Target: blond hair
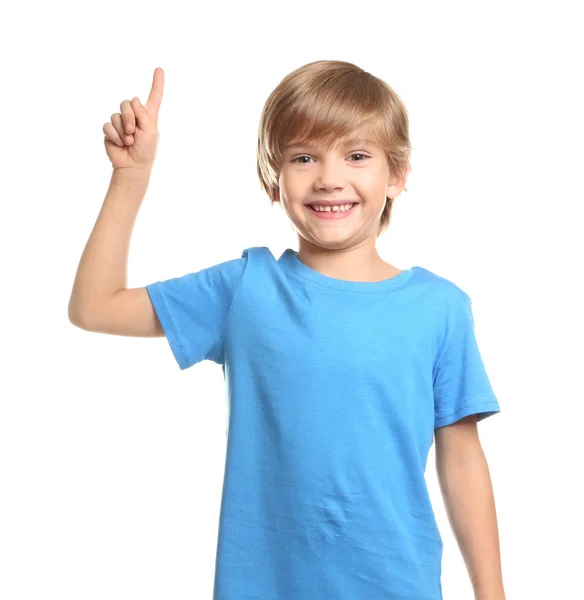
x=324, y=101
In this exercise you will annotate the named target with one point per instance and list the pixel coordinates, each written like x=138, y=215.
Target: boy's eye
x=355, y=154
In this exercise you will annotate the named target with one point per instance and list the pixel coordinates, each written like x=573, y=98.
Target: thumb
x=143, y=119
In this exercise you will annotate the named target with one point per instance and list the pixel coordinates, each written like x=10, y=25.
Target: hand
x=131, y=138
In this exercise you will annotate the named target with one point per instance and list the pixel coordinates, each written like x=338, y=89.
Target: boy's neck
x=359, y=263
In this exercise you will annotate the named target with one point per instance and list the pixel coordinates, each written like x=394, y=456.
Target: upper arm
x=191, y=311
x=458, y=440
x=129, y=312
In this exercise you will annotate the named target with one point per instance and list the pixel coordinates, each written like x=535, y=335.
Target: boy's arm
x=466, y=487
x=99, y=299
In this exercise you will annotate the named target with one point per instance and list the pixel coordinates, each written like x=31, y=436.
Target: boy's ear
x=395, y=185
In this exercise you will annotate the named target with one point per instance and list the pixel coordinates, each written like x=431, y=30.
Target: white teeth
x=335, y=208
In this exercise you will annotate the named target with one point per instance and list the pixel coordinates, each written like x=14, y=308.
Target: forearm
x=102, y=270
x=469, y=500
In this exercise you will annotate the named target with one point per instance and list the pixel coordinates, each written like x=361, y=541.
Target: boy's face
x=354, y=172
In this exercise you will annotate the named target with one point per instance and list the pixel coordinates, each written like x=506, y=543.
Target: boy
x=340, y=368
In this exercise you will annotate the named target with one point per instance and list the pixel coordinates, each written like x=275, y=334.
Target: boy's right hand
x=131, y=138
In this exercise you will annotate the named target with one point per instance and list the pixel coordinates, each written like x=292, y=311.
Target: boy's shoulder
x=439, y=287
x=436, y=279
x=261, y=251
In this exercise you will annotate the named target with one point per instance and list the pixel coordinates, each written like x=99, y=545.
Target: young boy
x=340, y=368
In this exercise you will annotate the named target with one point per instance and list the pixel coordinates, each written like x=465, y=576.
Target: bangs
x=334, y=114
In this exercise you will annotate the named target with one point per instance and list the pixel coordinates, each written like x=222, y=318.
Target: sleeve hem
x=169, y=326
x=482, y=407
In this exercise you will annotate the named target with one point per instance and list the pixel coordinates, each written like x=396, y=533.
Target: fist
x=131, y=137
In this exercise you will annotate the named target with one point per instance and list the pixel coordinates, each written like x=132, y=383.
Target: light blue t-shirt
x=333, y=389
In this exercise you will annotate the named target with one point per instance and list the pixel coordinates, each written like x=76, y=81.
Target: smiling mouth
x=332, y=214
x=335, y=208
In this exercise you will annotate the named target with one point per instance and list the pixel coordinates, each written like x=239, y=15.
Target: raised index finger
x=155, y=97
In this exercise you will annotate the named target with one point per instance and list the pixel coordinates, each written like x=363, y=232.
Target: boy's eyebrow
x=353, y=142
x=357, y=141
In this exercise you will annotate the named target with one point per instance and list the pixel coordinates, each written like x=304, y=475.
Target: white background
x=111, y=458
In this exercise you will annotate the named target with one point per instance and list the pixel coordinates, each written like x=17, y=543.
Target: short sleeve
x=193, y=310
x=461, y=383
